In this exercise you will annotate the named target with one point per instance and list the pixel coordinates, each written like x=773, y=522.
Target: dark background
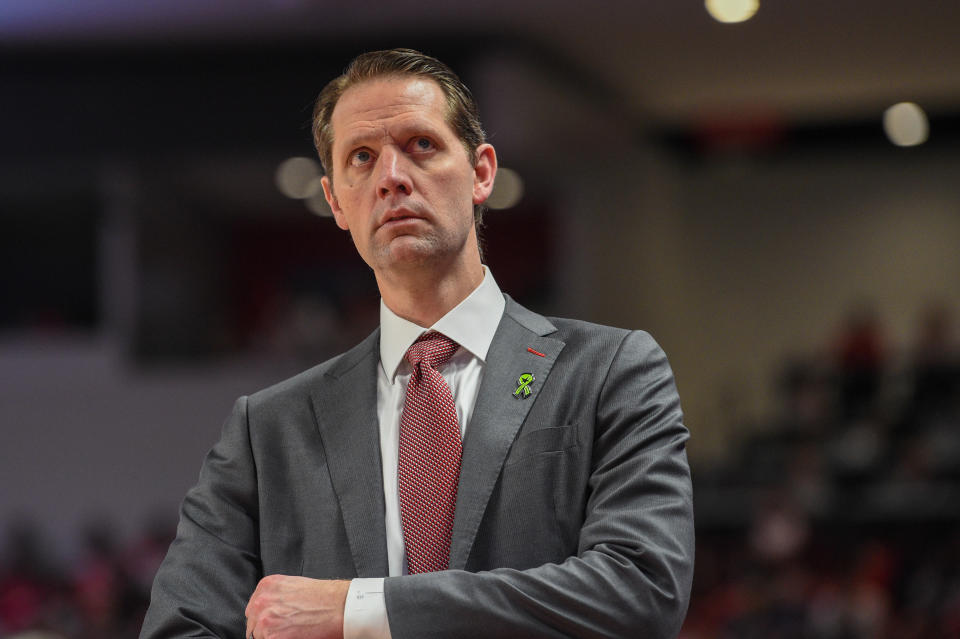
x=729, y=188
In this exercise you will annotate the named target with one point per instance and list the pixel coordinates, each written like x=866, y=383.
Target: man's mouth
x=399, y=216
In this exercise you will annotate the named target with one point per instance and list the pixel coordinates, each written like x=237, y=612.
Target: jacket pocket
x=539, y=441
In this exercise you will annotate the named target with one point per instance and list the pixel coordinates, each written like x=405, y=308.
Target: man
x=471, y=469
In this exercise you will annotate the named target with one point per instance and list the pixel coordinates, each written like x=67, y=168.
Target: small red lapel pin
x=530, y=350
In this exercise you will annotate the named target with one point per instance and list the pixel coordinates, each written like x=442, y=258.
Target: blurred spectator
x=806, y=399
x=27, y=581
x=860, y=358
x=936, y=365
x=779, y=530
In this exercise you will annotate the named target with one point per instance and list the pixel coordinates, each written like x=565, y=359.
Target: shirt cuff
x=365, y=612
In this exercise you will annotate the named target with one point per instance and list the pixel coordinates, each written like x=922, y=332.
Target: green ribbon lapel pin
x=523, y=386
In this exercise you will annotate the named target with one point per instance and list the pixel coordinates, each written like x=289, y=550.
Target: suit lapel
x=497, y=416
x=345, y=405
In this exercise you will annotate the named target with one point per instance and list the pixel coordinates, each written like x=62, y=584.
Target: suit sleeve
x=633, y=570
x=212, y=567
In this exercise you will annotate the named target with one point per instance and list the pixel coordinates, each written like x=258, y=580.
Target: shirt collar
x=471, y=323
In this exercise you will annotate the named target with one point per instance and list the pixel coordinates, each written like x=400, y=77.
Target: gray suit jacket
x=574, y=511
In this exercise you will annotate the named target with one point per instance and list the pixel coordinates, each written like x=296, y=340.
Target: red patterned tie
x=429, y=463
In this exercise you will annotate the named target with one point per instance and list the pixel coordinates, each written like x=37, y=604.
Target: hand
x=284, y=607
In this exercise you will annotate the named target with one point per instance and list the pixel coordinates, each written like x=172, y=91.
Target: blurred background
x=777, y=200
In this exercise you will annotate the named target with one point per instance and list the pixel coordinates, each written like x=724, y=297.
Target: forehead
x=375, y=104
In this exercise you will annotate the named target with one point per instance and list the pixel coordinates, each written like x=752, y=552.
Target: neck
x=424, y=296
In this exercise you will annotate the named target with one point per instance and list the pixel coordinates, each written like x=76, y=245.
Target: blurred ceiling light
x=507, y=189
x=316, y=202
x=295, y=177
x=732, y=10
x=906, y=124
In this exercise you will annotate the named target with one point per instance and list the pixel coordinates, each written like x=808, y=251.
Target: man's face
x=403, y=184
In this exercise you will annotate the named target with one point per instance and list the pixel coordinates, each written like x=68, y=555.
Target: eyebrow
x=403, y=130
x=357, y=140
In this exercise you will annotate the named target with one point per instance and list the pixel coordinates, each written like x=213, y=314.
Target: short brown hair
x=462, y=113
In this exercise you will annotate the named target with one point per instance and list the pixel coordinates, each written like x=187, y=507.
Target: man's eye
x=360, y=157
x=423, y=144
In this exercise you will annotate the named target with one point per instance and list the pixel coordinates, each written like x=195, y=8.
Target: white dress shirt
x=472, y=324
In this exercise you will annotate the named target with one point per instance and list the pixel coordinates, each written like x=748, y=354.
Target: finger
x=251, y=616
x=250, y=613
x=251, y=629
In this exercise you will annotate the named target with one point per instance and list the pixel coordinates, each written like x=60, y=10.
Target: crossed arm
x=631, y=574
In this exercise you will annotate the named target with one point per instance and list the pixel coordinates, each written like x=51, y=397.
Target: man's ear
x=332, y=202
x=484, y=173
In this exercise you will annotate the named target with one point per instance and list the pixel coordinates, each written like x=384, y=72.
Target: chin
x=413, y=250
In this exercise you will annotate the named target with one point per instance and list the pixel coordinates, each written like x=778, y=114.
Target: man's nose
x=393, y=177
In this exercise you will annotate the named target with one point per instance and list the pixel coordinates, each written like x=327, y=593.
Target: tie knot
x=432, y=348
